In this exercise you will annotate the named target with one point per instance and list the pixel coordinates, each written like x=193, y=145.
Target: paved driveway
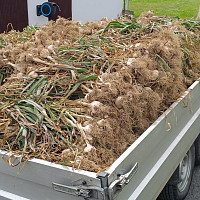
x=194, y=193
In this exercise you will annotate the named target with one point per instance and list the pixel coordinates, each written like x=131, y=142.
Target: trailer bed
x=140, y=173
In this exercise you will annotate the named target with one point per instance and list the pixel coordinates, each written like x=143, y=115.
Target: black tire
x=179, y=184
x=197, y=151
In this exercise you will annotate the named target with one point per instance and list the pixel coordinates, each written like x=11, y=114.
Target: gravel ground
x=194, y=192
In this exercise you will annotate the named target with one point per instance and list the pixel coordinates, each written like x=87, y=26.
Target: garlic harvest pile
x=81, y=94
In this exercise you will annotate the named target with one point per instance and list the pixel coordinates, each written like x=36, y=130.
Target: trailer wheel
x=197, y=151
x=179, y=184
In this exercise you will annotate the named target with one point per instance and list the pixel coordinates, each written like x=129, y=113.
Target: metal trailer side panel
x=159, y=150
x=34, y=180
x=20, y=189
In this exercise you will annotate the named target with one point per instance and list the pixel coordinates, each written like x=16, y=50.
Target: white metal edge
x=10, y=196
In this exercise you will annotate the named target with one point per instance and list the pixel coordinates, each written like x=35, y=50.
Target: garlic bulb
x=154, y=74
x=88, y=148
x=119, y=101
x=88, y=129
x=130, y=61
x=137, y=44
x=44, y=53
x=65, y=153
x=101, y=122
x=51, y=49
x=33, y=74
x=95, y=106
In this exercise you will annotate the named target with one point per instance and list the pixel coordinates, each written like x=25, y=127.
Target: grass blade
x=164, y=63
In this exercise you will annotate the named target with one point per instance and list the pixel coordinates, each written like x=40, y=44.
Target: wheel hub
x=184, y=172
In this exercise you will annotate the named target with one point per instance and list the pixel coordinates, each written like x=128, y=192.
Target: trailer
x=158, y=165
x=162, y=157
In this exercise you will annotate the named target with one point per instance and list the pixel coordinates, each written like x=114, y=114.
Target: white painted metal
x=93, y=10
x=127, y=4
x=33, y=19
x=8, y=195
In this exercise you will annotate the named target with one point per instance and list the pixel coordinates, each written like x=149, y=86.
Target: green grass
x=172, y=8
